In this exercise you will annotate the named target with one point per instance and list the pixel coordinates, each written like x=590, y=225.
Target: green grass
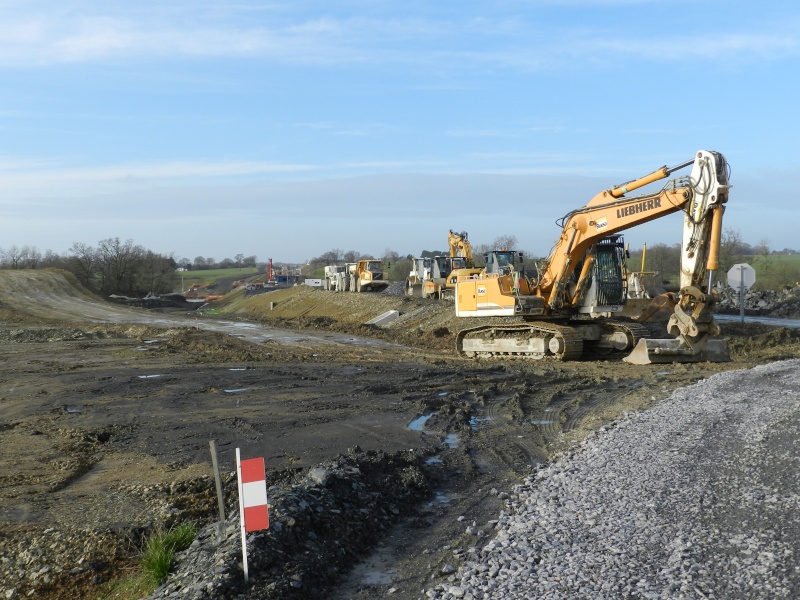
x=131, y=586
x=211, y=276
x=160, y=548
x=159, y=551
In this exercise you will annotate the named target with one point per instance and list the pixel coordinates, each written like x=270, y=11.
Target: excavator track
x=632, y=332
x=544, y=340
x=525, y=340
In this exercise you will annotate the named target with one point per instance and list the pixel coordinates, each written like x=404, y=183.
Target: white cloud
x=278, y=34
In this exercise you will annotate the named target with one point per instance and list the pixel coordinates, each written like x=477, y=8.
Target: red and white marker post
x=253, y=513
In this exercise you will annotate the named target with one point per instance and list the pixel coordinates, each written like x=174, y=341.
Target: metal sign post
x=741, y=276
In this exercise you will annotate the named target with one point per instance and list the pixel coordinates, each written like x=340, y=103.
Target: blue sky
x=286, y=129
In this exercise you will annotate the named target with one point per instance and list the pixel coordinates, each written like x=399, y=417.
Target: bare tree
x=730, y=249
x=29, y=257
x=327, y=258
x=505, y=242
x=11, y=257
x=117, y=264
x=154, y=273
x=239, y=258
x=82, y=262
x=390, y=256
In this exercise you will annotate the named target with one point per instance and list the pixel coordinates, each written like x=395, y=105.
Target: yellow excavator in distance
x=566, y=310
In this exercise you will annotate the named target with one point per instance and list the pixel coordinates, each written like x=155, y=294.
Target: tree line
x=114, y=266
x=775, y=268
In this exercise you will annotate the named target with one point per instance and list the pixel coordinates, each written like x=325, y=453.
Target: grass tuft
x=160, y=548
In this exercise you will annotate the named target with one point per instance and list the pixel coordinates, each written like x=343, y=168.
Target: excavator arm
x=460, y=246
x=701, y=196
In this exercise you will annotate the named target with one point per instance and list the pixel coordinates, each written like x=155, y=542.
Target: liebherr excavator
x=566, y=308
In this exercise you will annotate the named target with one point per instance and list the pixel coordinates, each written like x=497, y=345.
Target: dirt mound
x=432, y=326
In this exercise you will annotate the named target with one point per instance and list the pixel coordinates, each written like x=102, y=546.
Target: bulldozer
x=566, y=312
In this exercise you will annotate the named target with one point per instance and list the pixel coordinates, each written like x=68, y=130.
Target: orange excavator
x=567, y=310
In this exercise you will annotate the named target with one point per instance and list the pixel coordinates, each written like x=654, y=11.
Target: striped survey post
x=253, y=510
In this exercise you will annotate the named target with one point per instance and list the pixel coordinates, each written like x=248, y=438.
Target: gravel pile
x=697, y=498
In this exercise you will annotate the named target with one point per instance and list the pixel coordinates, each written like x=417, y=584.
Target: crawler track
x=559, y=342
x=542, y=340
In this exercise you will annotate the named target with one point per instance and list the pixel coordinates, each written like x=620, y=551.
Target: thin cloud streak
x=65, y=39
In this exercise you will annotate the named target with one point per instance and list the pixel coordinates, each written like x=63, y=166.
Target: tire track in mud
x=568, y=411
x=504, y=438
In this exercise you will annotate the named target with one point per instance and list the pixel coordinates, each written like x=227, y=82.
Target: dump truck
x=368, y=275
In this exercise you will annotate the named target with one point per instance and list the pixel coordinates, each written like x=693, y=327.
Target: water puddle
x=235, y=391
x=441, y=498
x=791, y=323
x=541, y=422
x=152, y=341
x=377, y=578
x=433, y=461
x=475, y=421
x=149, y=376
x=452, y=441
x=418, y=424
x=238, y=369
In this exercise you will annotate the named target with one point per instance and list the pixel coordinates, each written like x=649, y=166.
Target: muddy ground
x=106, y=415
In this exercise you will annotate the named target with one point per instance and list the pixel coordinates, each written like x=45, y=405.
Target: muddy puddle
x=790, y=323
x=257, y=333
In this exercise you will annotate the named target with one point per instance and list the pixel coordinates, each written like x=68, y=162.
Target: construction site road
x=107, y=413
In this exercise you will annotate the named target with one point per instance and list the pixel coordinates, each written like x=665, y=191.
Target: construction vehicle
x=636, y=279
x=436, y=277
x=368, y=275
x=337, y=277
x=460, y=247
x=430, y=277
x=566, y=309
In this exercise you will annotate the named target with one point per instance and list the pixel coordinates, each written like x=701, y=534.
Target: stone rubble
x=319, y=527
x=696, y=498
x=322, y=521
x=783, y=304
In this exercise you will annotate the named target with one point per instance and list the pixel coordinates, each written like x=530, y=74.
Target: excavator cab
x=605, y=291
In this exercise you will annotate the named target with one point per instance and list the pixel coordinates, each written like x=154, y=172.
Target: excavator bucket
x=649, y=351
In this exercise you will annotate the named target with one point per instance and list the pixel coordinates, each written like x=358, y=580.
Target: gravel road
x=696, y=498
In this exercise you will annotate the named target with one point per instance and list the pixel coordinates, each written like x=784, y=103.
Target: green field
x=774, y=271
x=212, y=276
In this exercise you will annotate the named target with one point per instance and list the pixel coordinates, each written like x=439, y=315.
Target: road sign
x=741, y=275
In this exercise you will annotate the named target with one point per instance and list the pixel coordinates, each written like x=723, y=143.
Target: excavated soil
x=107, y=413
